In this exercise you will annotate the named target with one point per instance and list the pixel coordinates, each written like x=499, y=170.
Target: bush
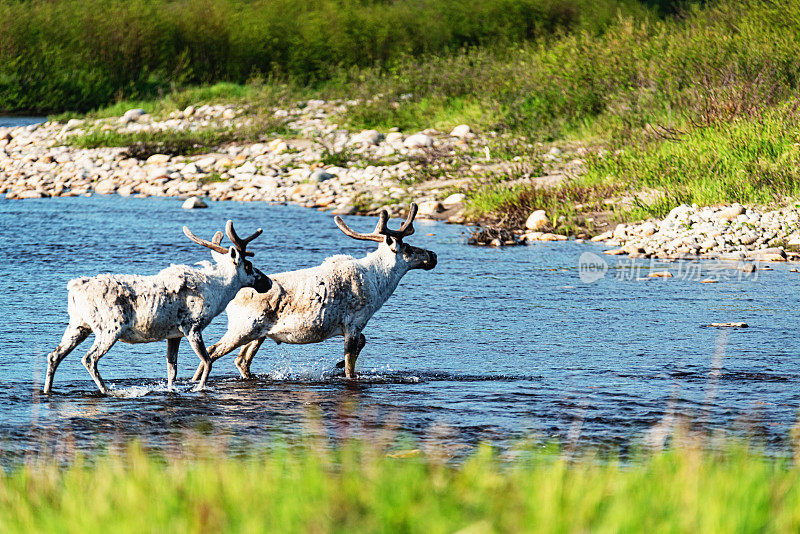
x=78, y=55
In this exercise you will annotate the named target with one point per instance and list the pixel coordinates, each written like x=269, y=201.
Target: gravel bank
x=729, y=232
x=377, y=170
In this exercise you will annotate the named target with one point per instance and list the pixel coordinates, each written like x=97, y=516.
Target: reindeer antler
x=381, y=231
x=406, y=229
x=214, y=244
x=238, y=242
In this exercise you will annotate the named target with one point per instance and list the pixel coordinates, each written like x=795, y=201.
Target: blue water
x=492, y=345
x=16, y=120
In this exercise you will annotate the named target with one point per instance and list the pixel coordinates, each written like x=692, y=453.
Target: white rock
x=537, y=221
x=264, y=182
x=258, y=149
x=278, y=146
x=369, y=137
x=455, y=198
x=190, y=169
x=157, y=159
x=419, y=140
x=193, y=203
x=229, y=114
x=730, y=213
x=105, y=187
x=394, y=137
x=133, y=115
x=302, y=190
x=344, y=209
x=748, y=239
x=794, y=240
x=155, y=172
x=28, y=194
x=430, y=207
x=648, y=228
x=73, y=123
x=205, y=163
x=604, y=236
x=678, y=211
x=462, y=130
x=189, y=111
x=246, y=168
x=125, y=190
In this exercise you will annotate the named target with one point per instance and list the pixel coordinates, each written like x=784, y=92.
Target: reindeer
x=178, y=301
x=336, y=298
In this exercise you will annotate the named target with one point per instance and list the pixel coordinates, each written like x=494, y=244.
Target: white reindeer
x=333, y=299
x=179, y=301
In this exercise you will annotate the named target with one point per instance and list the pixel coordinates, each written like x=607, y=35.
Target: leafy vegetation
x=71, y=55
x=748, y=160
x=179, y=142
x=692, y=105
x=365, y=488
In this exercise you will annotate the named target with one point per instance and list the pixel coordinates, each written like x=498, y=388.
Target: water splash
x=136, y=391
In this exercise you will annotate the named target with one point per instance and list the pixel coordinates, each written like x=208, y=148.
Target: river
x=492, y=345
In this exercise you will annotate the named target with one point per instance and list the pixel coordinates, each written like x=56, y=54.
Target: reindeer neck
x=387, y=268
x=223, y=284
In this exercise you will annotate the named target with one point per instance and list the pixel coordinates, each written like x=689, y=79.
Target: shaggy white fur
x=311, y=305
x=178, y=301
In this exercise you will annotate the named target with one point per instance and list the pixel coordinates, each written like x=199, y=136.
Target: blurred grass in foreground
x=361, y=488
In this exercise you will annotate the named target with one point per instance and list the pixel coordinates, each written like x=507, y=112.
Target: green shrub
x=79, y=55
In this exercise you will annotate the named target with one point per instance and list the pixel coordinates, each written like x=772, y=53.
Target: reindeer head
x=236, y=256
x=416, y=258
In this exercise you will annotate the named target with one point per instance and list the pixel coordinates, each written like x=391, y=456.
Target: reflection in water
x=490, y=346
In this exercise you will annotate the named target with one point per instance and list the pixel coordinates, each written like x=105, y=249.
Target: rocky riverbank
x=730, y=233
x=318, y=164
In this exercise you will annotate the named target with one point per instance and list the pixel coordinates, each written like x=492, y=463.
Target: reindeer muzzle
x=262, y=283
x=430, y=263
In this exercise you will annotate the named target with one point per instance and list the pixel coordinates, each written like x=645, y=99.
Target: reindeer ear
x=391, y=242
x=234, y=252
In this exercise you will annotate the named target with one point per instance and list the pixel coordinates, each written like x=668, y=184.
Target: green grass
x=70, y=55
x=721, y=76
x=337, y=158
x=568, y=206
x=439, y=112
x=181, y=142
x=144, y=144
x=730, y=59
x=747, y=160
x=362, y=489
x=179, y=99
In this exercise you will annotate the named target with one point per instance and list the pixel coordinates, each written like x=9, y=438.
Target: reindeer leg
x=246, y=355
x=73, y=336
x=102, y=343
x=352, y=347
x=172, y=360
x=195, y=338
x=220, y=349
x=361, y=342
x=201, y=366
